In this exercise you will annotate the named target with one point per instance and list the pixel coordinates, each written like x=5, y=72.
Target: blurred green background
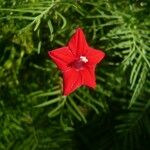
x=33, y=113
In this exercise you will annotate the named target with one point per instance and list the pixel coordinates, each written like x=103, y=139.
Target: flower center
x=83, y=59
x=79, y=63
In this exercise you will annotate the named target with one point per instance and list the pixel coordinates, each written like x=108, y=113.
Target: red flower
x=77, y=61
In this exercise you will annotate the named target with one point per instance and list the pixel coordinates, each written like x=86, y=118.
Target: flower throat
x=79, y=63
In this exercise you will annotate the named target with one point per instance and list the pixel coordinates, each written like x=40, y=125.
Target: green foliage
x=33, y=112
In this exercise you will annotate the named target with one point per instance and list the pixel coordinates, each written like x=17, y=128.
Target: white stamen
x=83, y=59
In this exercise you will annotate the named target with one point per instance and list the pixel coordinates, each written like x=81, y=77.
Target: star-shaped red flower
x=77, y=61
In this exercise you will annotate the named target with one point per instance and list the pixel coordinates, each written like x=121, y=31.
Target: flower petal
x=72, y=80
x=78, y=44
x=94, y=56
x=88, y=76
x=62, y=57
